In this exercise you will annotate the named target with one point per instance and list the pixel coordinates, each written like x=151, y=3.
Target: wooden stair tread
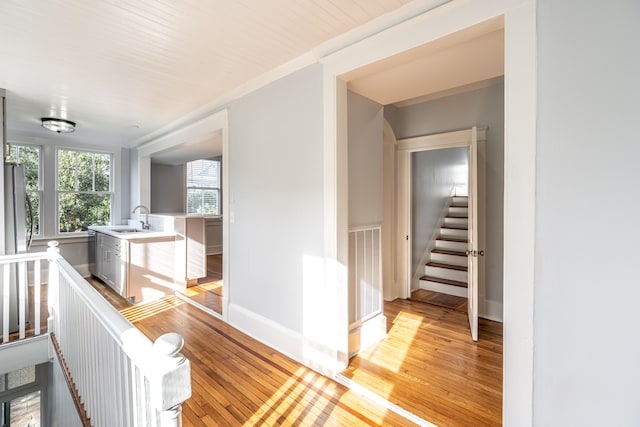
x=451, y=239
x=454, y=228
x=448, y=252
x=444, y=281
x=449, y=266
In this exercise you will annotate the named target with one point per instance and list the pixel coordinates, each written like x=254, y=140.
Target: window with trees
x=84, y=189
x=29, y=157
x=203, y=187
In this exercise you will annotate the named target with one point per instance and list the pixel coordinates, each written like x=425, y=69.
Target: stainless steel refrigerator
x=17, y=237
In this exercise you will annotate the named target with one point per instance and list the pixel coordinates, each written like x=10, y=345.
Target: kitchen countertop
x=112, y=230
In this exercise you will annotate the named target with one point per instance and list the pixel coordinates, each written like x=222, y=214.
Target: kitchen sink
x=128, y=230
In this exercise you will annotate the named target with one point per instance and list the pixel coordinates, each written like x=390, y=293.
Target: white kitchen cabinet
x=191, y=253
x=111, y=262
x=151, y=268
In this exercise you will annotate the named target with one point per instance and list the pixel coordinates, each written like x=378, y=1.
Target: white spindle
x=6, y=285
x=22, y=298
x=36, y=295
x=122, y=377
x=366, y=272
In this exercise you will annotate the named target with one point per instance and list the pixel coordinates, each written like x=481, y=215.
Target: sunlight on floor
x=408, y=324
x=139, y=312
x=306, y=398
x=215, y=287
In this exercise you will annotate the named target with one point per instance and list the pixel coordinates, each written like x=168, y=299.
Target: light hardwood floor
x=237, y=381
x=429, y=365
x=209, y=290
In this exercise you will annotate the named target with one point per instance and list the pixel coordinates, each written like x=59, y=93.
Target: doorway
x=205, y=139
x=519, y=162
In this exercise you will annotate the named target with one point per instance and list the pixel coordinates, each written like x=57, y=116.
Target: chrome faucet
x=145, y=223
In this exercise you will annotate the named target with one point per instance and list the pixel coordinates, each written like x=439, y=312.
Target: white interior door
x=473, y=251
x=403, y=218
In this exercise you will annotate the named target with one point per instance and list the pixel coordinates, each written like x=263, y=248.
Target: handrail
x=120, y=375
x=8, y=259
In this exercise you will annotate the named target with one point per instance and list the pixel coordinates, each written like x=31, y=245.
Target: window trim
x=57, y=192
x=215, y=189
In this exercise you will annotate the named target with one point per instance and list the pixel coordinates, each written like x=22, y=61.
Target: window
x=203, y=187
x=84, y=189
x=29, y=157
x=21, y=396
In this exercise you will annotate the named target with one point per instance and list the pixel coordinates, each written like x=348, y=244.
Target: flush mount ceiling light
x=58, y=125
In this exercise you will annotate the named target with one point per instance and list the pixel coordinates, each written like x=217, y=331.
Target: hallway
x=429, y=365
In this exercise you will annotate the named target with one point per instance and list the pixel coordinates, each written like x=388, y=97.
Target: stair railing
x=120, y=376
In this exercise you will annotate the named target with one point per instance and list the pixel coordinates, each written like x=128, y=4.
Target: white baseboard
x=291, y=343
x=490, y=310
x=367, y=334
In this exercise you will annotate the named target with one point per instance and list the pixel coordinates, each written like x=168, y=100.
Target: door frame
x=218, y=121
x=404, y=148
x=519, y=19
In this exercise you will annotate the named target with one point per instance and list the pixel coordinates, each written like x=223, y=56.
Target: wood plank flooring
x=237, y=381
x=429, y=365
x=209, y=290
x=443, y=300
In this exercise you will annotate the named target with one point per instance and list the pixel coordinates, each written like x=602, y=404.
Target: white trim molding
x=289, y=342
x=519, y=18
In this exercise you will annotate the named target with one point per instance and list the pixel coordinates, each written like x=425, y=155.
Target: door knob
x=481, y=253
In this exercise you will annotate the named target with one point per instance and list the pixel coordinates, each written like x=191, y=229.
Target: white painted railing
x=121, y=377
x=365, y=273
x=14, y=295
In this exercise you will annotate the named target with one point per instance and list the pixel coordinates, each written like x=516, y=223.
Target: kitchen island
x=144, y=265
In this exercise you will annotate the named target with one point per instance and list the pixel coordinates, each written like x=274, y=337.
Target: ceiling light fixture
x=58, y=125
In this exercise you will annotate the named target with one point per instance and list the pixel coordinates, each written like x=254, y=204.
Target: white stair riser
x=456, y=222
x=451, y=246
x=446, y=273
x=459, y=201
x=449, y=259
x=453, y=234
x=458, y=211
x=443, y=289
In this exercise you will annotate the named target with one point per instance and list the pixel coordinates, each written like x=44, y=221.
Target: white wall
x=168, y=188
x=482, y=107
x=276, y=207
x=434, y=174
x=365, y=119
x=62, y=410
x=586, y=336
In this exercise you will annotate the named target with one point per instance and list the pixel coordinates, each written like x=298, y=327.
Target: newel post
x=53, y=254
x=170, y=379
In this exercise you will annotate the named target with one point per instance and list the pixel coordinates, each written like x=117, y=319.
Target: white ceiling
x=123, y=69
x=453, y=63
x=126, y=69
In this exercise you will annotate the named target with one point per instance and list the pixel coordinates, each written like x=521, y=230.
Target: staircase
x=446, y=271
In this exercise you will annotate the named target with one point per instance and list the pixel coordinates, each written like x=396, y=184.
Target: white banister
x=121, y=377
x=365, y=265
x=14, y=295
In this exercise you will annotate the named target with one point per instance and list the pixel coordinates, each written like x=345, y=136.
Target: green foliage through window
x=29, y=157
x=84, y=190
